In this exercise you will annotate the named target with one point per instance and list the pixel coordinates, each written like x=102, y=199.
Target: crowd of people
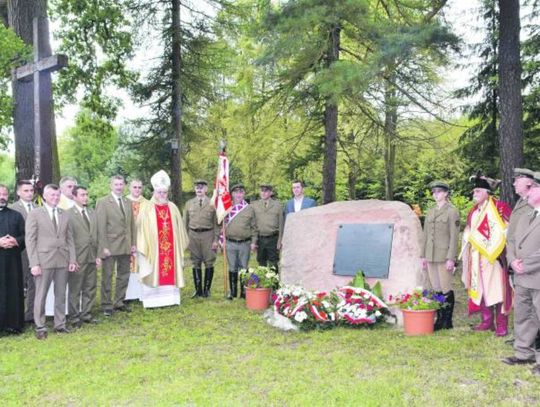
x=500, y=260
x=140, y=244
x=50, y=254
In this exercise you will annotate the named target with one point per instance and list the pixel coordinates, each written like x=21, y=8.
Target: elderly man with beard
x=11, y=273
x=161, y=242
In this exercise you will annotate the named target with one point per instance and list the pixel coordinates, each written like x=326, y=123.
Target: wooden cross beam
x=33, y=72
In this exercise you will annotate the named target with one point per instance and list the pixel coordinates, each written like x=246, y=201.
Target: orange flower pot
x=257, y=298
x=418, y=322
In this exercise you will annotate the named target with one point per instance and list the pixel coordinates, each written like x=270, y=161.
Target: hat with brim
x=536, y=177
x=480, y=181
x=523, y=172
x=268, y=187
x=237, y=186
x=439, y=184
x=200, y=182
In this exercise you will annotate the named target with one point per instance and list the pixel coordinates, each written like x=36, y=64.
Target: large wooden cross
x=34, y=72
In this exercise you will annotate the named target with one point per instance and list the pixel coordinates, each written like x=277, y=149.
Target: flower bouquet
x=419, y=299
x=349, y=306
x=259, y=277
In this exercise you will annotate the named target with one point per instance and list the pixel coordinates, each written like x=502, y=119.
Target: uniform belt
x=238, y=241
x=199, y=230
x=268, y=236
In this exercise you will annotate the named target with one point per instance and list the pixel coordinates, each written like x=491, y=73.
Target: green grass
x=215, y=352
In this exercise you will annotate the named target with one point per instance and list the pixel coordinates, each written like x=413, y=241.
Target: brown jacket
x=45, y=246
x=116, y=232
x=85, y=238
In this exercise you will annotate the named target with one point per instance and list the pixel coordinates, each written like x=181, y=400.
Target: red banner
x=165, y=245
x=221, y=197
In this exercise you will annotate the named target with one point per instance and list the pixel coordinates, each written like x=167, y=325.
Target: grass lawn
x=215, y=352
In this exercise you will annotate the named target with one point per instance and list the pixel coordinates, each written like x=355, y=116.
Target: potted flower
x=418, y=308
x=258, y=282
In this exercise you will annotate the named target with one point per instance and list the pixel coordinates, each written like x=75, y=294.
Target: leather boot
x=233, y=285
x=450, y=301
x=487, y=318
x=501, y=321
x=439, y=321
x=242, y=291
x=197, y=281
x=208, y=276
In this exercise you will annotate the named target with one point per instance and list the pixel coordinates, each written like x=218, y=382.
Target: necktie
x=200, y=203
x=121, y=207
x=29, y=207
x=85, y=217
x=55, y=224
x=266, y=204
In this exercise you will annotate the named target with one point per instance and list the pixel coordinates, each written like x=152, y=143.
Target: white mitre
x=160, y=180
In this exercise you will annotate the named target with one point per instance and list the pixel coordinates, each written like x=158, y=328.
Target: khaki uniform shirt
x=201, y=216
x=243, y=226
x=441, y=231
x=269, y=217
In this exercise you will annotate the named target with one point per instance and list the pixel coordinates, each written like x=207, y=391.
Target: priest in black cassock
x=11, y=274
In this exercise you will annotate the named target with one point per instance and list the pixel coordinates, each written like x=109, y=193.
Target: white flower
x=378, y=314
x=326, y=304
x=300, y=316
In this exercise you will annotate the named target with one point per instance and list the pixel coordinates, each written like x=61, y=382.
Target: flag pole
x=222, y=148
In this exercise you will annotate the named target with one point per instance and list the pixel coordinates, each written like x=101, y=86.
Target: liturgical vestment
x=161, y=242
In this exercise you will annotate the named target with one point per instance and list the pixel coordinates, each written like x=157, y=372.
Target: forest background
x=349, y=96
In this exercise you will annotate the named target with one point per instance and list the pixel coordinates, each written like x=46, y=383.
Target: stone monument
x=308, y=256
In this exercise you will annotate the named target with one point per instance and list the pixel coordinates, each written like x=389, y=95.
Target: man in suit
x=299, y=201
x=25, y=204
x=116, y=244
x=524, y=257
x=82, y=285
x=51, y=254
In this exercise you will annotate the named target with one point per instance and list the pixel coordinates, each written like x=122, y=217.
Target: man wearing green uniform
x=241, y=236
x=203, y=231
x=269, y=218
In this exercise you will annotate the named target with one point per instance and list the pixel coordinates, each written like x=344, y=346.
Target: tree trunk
x=176, y=164
x=390, y=133
x=511, y=123
x=330, y=126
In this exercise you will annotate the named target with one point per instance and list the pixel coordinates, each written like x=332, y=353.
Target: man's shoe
x=536, y=370
x=512, y=360
x=63, y=330
x=123, y=308
x=41, y=335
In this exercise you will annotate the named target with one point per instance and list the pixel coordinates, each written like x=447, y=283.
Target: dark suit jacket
x=85, y=238
x=524, y=244
x=19, y=207
x=45, y=246
x=115, y=232
x=306, y=203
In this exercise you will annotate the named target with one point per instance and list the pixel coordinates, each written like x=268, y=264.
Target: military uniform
x=269, y=220
x=240, y=233
x=439, y=244
x=203, y=231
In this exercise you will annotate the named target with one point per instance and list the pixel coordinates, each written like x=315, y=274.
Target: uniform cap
x=439, y=184
x=523, y=172
x=267, y=186
x=200, y=182
x=237, y=186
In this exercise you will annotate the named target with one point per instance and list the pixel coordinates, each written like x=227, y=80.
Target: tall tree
x=511, y=126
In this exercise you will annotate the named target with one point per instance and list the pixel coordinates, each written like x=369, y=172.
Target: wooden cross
x=33, y=72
